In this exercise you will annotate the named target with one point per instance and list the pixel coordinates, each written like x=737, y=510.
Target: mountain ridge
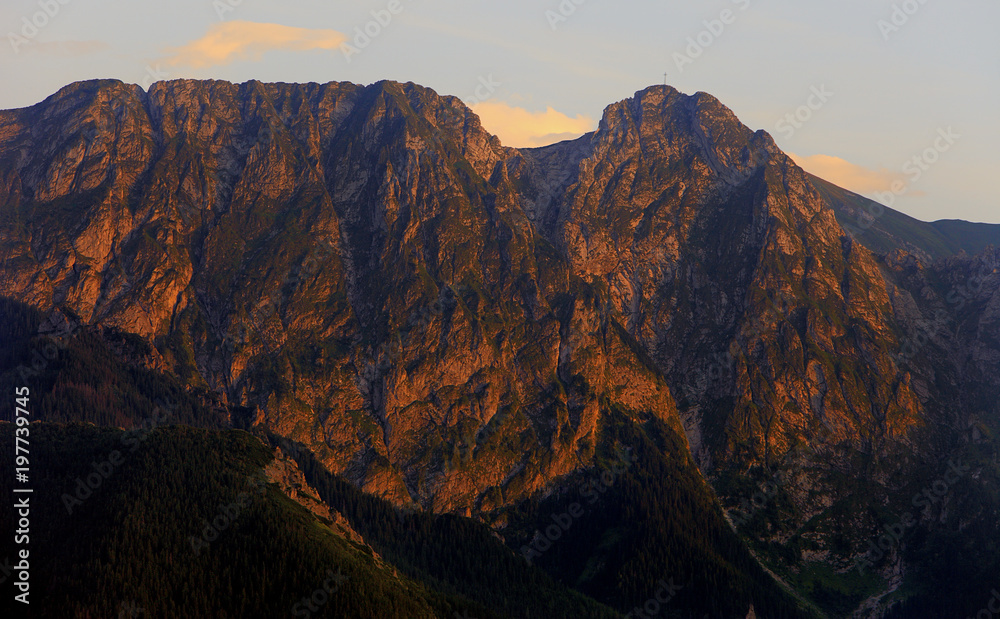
x=457, y=325
x=882, y=229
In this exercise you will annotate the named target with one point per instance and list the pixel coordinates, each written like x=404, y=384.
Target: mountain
x=881, y=229
x=219, y=523
x=369, y=278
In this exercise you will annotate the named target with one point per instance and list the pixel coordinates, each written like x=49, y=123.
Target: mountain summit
x=462, y=327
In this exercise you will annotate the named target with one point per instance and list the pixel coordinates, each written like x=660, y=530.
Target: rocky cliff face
x=447, y=321
x=725, y=264
x=356, y=263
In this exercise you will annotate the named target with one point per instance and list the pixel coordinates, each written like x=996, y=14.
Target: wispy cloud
x=243, y=40
x=841, y=172
x=521, y=128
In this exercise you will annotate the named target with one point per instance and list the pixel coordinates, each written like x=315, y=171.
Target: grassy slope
x=892, y=229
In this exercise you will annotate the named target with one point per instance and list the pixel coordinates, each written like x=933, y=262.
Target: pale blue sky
x=892, y=91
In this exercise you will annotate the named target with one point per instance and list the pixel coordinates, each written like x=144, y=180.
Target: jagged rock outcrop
x=451, y=322
x=353, y=262
x=285, y=472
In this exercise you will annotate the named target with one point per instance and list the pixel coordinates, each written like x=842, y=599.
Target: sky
x=894, y=99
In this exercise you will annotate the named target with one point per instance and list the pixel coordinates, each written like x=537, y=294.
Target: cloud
x=242, y=40
x=520, y=128
x=848, y=175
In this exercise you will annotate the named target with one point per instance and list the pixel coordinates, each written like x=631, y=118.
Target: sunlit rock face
x=450, y=322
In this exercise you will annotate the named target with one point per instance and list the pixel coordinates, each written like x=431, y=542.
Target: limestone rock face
x=726, y=265
x=356, y=263
x=447, y=321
